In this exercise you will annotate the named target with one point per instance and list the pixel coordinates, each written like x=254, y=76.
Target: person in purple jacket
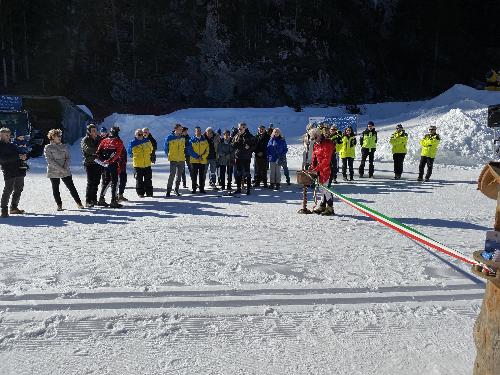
x=276, y=154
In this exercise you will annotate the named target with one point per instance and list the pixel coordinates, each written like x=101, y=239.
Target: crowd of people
x=222, y=156
x=324, y=145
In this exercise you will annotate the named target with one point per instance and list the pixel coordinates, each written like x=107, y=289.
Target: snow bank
x=460, y=114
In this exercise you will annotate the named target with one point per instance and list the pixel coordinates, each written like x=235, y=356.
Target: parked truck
x=34, y=116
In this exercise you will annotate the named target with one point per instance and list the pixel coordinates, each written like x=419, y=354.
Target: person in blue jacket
x=276, y=154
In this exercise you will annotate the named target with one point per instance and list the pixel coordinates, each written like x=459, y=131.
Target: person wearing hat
x=261, y=162
x=103, y=132
x=323, y=150
x=13, y=175
x=109, y=154
x=398, y=141
x=368, y=141
x=94, y=171
x=429, y=144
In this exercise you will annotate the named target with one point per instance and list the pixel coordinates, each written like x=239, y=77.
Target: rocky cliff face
x=151, y=55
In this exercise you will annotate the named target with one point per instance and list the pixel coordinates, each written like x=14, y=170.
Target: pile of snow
x=460, y=114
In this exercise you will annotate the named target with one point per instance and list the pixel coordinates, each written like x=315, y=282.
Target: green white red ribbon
x=401, y=228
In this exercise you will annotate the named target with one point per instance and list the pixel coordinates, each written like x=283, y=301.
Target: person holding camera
x=13, y=174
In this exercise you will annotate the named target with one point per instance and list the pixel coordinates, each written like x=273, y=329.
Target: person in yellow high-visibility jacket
x=398, y=141
x=347, y=152
x=429, y=144
x=368, y=141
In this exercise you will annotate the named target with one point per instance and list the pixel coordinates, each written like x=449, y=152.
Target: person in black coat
x=261, y=162
x=13, y=174
x=243, y=144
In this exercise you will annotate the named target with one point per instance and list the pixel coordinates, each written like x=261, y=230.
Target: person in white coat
x=58, y=157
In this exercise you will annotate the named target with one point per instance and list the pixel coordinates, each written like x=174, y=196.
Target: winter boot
x=277, y=186
x=176, y=191
x=238, y=185
x=79, y=205
x=344, y=177
x=168, y=193
x=121, y=198
x=89, y=204
x=321, y=207
x=59, y=207
x=16, y=211
x=5, y=212
x=328, y=211
x=248, y=191
x=351, y=178
x=265, y=184
x=102, y=202
x=229, y=187
x=271, y=186
x=420, y=178
x=115, y=204
x=288, y=183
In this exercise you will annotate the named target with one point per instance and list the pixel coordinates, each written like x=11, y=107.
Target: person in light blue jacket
x=276, y=154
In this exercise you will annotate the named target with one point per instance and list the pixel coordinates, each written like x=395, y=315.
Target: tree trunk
x=13, y=60
x=4, y=65
x=115, y=26
x=487, y=333
x=26, y=59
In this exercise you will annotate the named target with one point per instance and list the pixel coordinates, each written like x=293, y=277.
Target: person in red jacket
x=322, y=154
x=110, y=153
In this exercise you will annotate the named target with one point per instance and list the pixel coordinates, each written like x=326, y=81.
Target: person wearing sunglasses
x=430, y=144
x=58, y=160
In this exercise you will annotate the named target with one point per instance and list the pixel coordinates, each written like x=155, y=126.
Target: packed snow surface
x=222, y=285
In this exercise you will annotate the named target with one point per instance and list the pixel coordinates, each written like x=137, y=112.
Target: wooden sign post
x=487, y=327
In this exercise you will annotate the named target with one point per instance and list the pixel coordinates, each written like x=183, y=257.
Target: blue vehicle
x=34, y=116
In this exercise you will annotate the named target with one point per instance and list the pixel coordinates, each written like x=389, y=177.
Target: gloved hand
x=353, y=142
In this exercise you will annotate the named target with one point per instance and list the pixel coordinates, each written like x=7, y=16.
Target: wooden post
x=487, y=333
x=304, y=209
x=497, y=213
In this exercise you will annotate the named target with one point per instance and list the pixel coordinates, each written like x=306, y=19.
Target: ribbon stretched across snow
x=400, y=227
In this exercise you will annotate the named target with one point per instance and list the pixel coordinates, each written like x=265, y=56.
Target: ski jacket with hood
x=322, y=154
x=240, y=143
x=276, y=149
x=347, y=148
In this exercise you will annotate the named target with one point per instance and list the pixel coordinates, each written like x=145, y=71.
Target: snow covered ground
x=220, y=285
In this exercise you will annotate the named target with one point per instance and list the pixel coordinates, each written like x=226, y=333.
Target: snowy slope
x=220, y=285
